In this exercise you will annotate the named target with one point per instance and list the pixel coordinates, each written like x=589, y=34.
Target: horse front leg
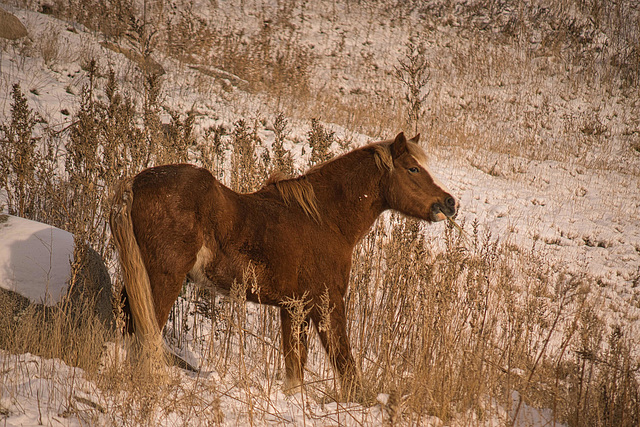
x=294, y=347
x=333, y=334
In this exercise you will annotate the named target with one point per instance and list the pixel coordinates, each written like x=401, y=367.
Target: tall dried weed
x=448, y=330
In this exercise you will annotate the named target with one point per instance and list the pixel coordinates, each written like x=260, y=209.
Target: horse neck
x=348, y=193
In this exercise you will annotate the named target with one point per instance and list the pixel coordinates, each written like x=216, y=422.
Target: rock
x=10, y=26
x=42, y=267
x=90, y=285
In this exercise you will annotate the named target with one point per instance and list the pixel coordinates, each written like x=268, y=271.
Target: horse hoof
x=181, y=363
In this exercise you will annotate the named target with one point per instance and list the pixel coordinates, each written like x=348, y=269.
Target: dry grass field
x=524, y=312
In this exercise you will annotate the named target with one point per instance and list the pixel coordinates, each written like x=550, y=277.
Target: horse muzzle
x=442, y=211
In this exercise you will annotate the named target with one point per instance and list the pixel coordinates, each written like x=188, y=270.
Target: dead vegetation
x=448, y=330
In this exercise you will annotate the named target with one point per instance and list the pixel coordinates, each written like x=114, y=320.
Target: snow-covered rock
x=36, y=263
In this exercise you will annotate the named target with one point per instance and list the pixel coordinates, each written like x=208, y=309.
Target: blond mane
x=382, y=156
x=300, y=191
x=297, y=190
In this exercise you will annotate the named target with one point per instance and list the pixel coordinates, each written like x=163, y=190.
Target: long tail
x=136, y=279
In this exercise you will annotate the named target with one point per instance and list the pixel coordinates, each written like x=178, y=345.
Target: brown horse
x=176, y=221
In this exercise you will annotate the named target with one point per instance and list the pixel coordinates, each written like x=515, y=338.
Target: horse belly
x=219, y=272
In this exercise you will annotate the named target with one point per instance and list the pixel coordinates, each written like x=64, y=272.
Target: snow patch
x=35, y=259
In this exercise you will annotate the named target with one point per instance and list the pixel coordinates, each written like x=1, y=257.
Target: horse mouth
x=440, y=212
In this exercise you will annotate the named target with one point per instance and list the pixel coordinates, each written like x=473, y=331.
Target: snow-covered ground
x=582, y=215
x=48, y=392
x=586, y=221
x=39, y=391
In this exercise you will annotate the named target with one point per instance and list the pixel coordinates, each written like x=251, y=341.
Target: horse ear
x=399, y=145
x=415, y=139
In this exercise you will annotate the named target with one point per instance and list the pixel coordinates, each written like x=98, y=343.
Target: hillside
x=529, y=112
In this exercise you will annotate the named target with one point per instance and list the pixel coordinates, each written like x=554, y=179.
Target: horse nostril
x=450, y=202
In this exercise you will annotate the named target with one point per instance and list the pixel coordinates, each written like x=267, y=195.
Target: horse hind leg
x=128, y=326
x=166, y=289
x=294, y=346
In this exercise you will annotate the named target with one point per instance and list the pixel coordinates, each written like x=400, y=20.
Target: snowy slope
x=582, y=216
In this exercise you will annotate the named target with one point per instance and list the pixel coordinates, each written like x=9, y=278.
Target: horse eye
x=414, y=170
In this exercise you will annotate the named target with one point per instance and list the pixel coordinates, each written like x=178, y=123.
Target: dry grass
x=447, y=328
x=439, y=328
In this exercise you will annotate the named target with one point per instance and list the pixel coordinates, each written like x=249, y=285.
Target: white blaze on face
x=419, y=155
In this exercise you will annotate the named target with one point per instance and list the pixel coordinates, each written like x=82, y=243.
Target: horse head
x=411, y=188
